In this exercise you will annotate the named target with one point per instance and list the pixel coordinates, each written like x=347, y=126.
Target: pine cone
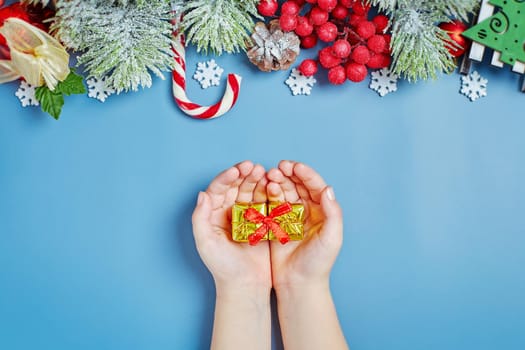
x=271, y=48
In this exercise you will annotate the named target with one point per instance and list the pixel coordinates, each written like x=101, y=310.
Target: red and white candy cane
x=179, y=88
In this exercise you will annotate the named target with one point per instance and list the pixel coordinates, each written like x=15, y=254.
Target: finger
x=201, y=216
x=274, y=192
x=245, y=168
x=286, y=166
x=287, y=185
x=311, y=180
x=259, y=194
x=219, y=187
x=332, y=231
x=247, y=187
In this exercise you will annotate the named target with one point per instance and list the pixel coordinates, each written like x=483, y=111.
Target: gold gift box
x=291, y=222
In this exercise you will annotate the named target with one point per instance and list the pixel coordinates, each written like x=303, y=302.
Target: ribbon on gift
x=268, y=223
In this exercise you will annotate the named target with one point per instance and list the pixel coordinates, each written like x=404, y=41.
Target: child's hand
x=308, y=262
x=233, y=265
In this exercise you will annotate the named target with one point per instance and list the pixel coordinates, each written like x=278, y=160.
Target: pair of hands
x=269, y=264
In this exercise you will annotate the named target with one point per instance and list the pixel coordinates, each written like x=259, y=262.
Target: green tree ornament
x=504, y=31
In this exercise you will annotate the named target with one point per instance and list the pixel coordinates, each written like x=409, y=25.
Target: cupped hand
x=308, y=261
x=230, y=263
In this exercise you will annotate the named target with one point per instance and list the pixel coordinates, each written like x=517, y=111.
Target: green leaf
x=71, y=85
x=51, y=101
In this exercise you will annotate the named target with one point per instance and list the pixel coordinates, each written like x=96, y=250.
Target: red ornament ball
x=339, y=12
x=356, y=72
x=308, y=67
x=360, y=54
x=454, y=30
x=341, y=48
x=381, y=22
x=303, y=28
x=327, y=59
x=327, y=5
x=366, y=29
x=337, y=75
x=327, y=32
x=288, y=22
x=290, y=8
x=267, y=8
x=376, y=43
x=318, y=16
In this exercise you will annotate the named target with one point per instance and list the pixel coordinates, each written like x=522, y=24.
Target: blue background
x=96, y=247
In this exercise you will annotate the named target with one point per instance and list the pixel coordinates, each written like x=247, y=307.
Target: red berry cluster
x=356, y=42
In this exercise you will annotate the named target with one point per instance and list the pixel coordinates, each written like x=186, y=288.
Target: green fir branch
x=418, y=49
x=123, y=40
x=218, y=25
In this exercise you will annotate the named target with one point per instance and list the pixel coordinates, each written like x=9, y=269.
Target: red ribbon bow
x=268, y=223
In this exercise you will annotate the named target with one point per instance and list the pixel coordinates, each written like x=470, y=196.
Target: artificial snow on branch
x=218, y=25
x=418, y=49
x=122, y=40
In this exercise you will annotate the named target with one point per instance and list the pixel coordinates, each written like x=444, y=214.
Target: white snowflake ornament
x=383, y=81
x=26, y=94
x=474, y=86
x=208, y=74
x=99, y=89
x=299, y=83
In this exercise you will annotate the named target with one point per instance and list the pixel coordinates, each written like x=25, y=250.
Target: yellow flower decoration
x=35, y=55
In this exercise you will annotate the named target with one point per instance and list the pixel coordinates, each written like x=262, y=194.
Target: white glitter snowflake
x=26, y=94
x=383, y=81
x=300, y=84
x=208, y=74
x=98, y=89
x=474, y=86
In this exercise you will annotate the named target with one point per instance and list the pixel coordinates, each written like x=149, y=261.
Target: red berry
x=376, y=43
x=341, y=48
x=267, y=7
x=387, y=38
x=303, y=27
x=327, y=5
x=360, y=54
x=347, y=3
x=299, y=2
x=356, y=19
x=290, y=8
x=356, y=72
x=309, y=41
x=337, y=75
x=311, y=1
x=288, y=22
x=360, y=9
x=378, y=61
x=327, y=59
x=318, y=16
x=327, y=32
x=366, y=29
x=381, y=22
x=308, y=67
x=339, y=12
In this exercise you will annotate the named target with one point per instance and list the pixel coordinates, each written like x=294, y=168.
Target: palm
x=228, y=260
x=300, y=260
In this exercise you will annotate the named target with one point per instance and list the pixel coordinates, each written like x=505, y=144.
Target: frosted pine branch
x=123, y=40
x=218, y=25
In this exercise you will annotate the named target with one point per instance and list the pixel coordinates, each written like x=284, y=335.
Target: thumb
x=332, y=231
x=201, y=215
